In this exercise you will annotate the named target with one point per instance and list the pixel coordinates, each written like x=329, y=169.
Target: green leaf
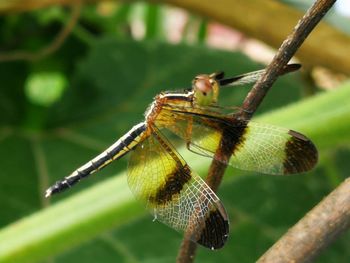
x=110, y=90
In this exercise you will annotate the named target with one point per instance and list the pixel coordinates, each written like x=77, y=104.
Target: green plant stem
x=152, y=21
x=202, y=31
x=69, y=222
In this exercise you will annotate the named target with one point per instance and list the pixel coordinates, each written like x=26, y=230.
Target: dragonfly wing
x=274, y=150
x=250, y=146
x=175, y=195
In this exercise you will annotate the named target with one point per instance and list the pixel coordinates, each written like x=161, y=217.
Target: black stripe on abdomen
x=109, y=154
x=100, y=161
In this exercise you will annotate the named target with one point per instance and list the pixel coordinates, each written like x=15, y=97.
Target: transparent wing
x=176, y=196
x=250, y=146
x=253, y=76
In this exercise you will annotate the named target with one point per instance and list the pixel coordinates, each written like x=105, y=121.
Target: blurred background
x=75, y=76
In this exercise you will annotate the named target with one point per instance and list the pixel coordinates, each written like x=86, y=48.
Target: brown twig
x=288, y=48
x=254, y=98
x=315, y=231
x=50, y=48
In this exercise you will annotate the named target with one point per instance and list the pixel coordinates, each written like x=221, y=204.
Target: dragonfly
x=160, y=178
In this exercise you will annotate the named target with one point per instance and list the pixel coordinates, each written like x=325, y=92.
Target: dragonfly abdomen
x=114, y=152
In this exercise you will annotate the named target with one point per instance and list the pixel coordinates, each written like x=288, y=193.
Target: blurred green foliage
x=59, y=112
x=45, y=88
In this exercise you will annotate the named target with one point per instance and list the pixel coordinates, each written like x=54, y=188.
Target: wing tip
x=301, y=154
x=216, y=229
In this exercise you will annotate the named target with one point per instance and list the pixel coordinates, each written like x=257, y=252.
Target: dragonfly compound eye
x=202, y=83
x=205, y=90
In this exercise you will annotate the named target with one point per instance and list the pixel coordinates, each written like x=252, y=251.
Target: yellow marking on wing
x=151, y=165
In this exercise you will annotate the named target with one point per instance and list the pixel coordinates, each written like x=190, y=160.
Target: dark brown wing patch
x=232, y=137
x=173, y=185
x=216, y=229
x=300, y=154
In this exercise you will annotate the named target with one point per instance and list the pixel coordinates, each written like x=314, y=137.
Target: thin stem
x=254, y=98
x=315, y=231
x=288, y=48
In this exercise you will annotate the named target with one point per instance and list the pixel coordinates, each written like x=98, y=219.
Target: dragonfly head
x=206, y=88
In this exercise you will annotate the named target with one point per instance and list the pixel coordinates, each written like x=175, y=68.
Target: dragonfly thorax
x=150, y=113
x=177, y=99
